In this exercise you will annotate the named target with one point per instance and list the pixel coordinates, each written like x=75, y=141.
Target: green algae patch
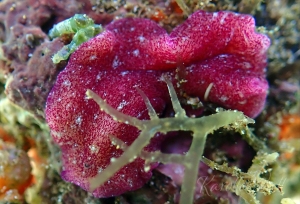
x=83, y=28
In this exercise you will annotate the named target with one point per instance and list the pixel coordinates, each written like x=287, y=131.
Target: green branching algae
x=200, y=127
x=81, y=26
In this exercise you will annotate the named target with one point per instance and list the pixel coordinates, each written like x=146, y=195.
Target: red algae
x=222, y=61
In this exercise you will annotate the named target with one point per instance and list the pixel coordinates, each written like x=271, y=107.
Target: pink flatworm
x=222, y=61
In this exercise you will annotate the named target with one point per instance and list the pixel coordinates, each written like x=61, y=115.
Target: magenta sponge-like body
x=220, y=58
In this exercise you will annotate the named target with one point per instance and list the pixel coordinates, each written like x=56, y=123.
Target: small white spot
x=116, y=62
x=178, y=170
x=121, y=105
x=94, y=149
x=185, y=38
x=247, y=65
x=130, y=182
x=222, y=56
x=98, y=77
x=141, y=38
x=210, y=171
x=68, y=106
x=224, y=98
x=93, y=57
x=124, y=73
x=136, y=52
x=132, y=28
x=67, y=83
x=78, y=120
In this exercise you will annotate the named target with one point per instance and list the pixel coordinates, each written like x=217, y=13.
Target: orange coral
x=15, y=169
x=158, y=15
x=290, y=127
x=290, y=132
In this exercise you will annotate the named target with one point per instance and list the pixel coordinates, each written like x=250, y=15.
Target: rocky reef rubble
x=26, y=50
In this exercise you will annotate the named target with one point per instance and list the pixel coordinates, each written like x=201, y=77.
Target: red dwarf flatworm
x=223, y=61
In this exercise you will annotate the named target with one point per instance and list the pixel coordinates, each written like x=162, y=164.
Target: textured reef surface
x=149, y=101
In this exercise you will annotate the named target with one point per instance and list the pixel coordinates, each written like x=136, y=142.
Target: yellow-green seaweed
x=200, y=127
x=81, y=26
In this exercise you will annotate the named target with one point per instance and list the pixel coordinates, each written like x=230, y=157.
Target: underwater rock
x=23, y=30
x=30, y=84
